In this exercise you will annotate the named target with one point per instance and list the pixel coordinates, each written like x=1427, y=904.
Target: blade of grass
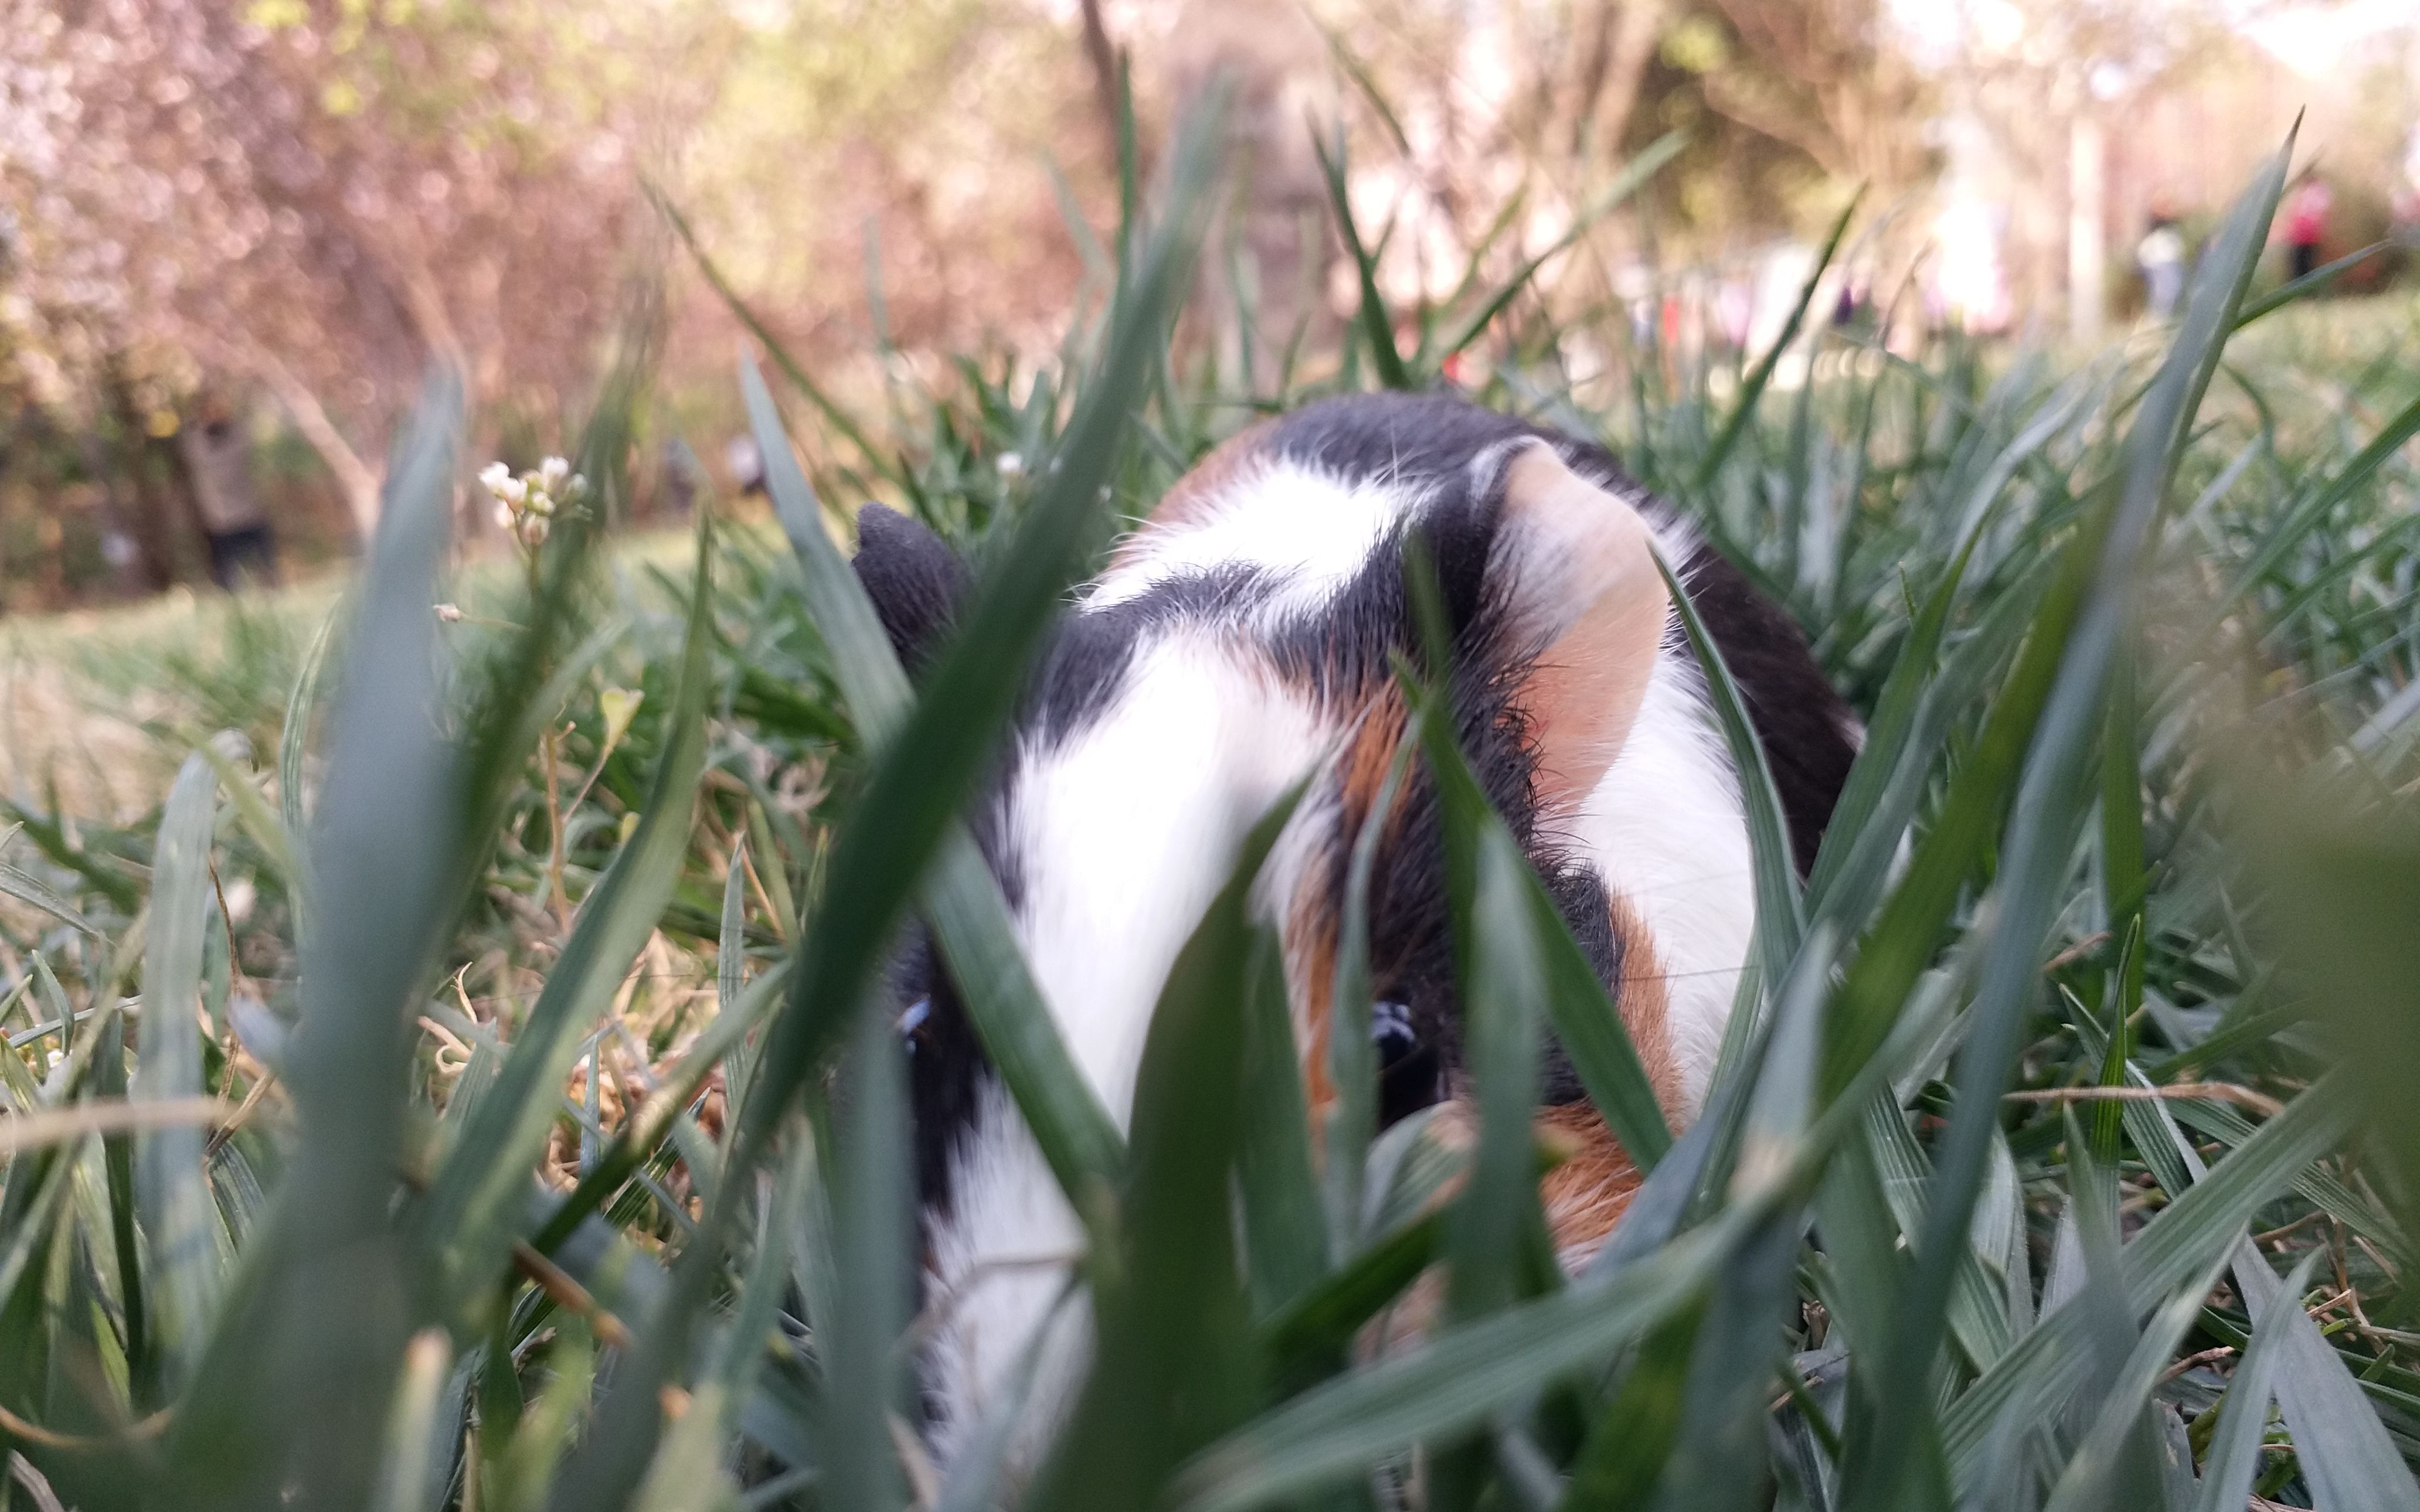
x=906, y=809
x=294, y=1390
x=1780, y=909
x=1451, y=1383
x=834, y=414
x=36, y=893
x=1587, y=1023
x=2344, y=1453
x=179, y=1218
x=473, y=1207
x=2040, y=1367
x=1752, y=387
x=2234, y=1457
x=915, y=794
x=1634, y=176
x=2038, y=850
x=408, y=1478
x=963, y=901
x=2095, y=1476
x=871, y=1237
x=1377, y=325
x=1285, y=1231
x=1351, y=1058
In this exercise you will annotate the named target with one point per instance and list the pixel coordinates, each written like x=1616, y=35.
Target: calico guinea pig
x=1240, y=641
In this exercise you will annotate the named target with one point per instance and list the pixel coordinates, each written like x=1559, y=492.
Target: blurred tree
x=1266, y=261
x=319, y=196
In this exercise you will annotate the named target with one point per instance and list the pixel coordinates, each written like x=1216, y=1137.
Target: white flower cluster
x=526, y=505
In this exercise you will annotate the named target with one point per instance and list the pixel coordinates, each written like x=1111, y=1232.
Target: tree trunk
x=2087, y=238
x=153, y=519
x=354, y=476
x=1108, y=94
x=1632, y=47
x=1265, y=267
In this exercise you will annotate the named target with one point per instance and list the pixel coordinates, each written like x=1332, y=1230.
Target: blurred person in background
x=2161, y=255
x=2307, y=221
x=234, y=519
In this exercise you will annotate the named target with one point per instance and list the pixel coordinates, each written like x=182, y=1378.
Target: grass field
x=456, y=1089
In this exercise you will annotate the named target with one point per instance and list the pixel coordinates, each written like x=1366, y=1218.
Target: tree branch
x=358, y=481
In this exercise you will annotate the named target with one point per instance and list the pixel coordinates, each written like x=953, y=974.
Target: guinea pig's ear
x=1575, y=566
x=914, y=579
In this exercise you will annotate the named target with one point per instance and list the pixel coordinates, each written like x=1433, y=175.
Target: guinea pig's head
x=1243, y=642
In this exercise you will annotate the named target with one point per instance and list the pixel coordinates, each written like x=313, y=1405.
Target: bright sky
x=2309, y=37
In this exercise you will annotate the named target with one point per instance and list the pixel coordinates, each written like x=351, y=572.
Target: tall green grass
x=391, y=1187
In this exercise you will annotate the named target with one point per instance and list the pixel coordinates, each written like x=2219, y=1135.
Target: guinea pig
x=1242, y=641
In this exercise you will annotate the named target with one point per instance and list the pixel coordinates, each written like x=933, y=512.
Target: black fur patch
x=915, y=580
x=946, y=1065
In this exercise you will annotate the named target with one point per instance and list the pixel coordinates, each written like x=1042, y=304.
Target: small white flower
x=551, y=473
x=514, y=491
x=1012, y=464
x=503, y=516
x=577, y=486
x=533, y=529
x=494, y=476
x=539, y=503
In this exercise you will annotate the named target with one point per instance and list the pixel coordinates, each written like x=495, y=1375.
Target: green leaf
x=1626, y=1449
x=1716, y=1461
x=1451, y=1383
x=911, y=802
x=2041, y=1368
x=1634, y=176
x=180, y=1225
x=1351, y=1058
x=643, y=1132
x=1377, y=325
x=872, y=1232
x=2096, y=1475
x=293, y=741
x=2234, y=1458
x=1781, y=910
x=1586, y=1021
x=978, y=1469
x=293, y=1393
x=409, y=1477
x=1284, y=1228
x=28, y=890
x=1311, y=1333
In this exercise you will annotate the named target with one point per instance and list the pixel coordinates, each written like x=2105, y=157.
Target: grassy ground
x=2063, y=1162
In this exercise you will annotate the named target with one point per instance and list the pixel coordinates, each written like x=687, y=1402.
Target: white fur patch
x=1311, y=531
x=1666, y=830
x=1122, y=836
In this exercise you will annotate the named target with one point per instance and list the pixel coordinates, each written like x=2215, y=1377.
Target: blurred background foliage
x=284, y=207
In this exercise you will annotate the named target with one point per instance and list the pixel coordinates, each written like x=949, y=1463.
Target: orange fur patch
x=1315, y=927
x=1584, y=693
x=1586, y=1195
x=1645, y=1006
